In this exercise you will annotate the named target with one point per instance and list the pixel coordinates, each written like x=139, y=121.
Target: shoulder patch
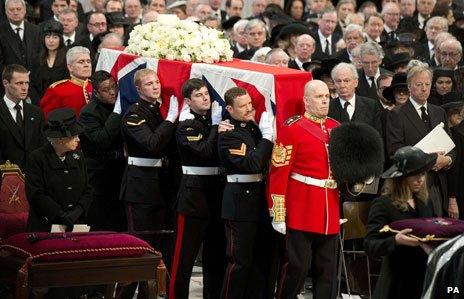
x=292, y=120
x=130, y=123
x=58, y=83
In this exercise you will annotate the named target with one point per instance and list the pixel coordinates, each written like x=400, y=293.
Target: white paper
x=58, y=228
x=81, y=228
x=436, y=141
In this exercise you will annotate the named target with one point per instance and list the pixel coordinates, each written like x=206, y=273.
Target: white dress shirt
x=11, y=107
x=418, y=106
x=21, y=26
x=324, y=41
x=351, y=106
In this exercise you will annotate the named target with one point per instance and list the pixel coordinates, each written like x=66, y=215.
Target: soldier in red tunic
x=304, y=199
x=71, y=93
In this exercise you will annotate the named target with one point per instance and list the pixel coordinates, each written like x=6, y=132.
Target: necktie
x=345, y=115
x=327, y=47
x=425, y=117
x=68, y=43
x=19, y=116
x=373, y=87
x=432, y=54
x=18, y=30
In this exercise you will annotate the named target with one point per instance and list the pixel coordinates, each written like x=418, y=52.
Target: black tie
x=18, y=30
x=327, y=47
x=425, y=117
x=68, y=43
x=19, y=116
x=373, y=87
x=345, y=115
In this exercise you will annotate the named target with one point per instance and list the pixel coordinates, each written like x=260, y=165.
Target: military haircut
x=142, y=73
x=8, y=71
x=191, y=85
x=232, y=94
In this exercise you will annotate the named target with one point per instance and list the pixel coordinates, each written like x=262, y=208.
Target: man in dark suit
x=19, y=39
x=371, y=55
x=21, y=124
x=72, y=33
x=325, y=37
x=391, y=17
x=349, y=106
x=353, y=37
x=217, y=11
x=96, y=24
x=304, y=48
x=409, y=123
x=425, y=50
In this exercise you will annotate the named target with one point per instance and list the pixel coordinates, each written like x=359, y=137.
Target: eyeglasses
x=450, y=54
x=98, y=24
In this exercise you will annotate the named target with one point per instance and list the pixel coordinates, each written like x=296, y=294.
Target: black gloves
x=70, y=216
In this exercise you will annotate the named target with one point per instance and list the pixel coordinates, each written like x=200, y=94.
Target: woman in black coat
x=57, y=185
x=405, y=196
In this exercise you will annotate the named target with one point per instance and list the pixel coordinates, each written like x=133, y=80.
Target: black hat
x=409, y=161
x=356, y=152
x=52, y=26
x=116, y=18
x=230, y=22
x=404, y=39
x=293, y=29
x=275, y=34
x=452, y=100
x=399, y=80
x=397, y=59
x=327, y=64
x=443, y=72
x=62, y=122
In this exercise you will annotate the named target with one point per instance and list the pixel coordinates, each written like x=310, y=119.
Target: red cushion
x=12, y=224
x=440, y=227
x=75, y=246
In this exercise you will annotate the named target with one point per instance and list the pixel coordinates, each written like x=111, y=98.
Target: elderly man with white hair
x=391, y=16
x=304, y=49
x=353, y=37
x=19, y=39
x=449, y=56
x=425, y=51
x=256, y=34
x=371, y=55
x=71, y=93
x=238, y=38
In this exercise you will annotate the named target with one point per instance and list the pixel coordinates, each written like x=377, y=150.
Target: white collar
x=417, y=106
x=71, y=37
x=10, y=104
x=377, y=75
x=387, y=29
x=352, y=101
x=13, y=26
x=430, y=45
x=300, y=63
x=322, y=37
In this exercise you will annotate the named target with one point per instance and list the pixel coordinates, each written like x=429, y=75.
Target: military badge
x=239, y=152
x=76, y=156
x=195, y=138
x=281, y=155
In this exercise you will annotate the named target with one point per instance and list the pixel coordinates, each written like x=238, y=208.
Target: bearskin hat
x=355, y=153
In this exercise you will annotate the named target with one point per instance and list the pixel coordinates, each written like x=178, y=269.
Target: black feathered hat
x=62, y=123
x=409, y=161
x=355, y=153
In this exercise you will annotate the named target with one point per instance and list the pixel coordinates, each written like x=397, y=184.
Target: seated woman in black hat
x=404, y=196
x=397, y=93
x=57, y=185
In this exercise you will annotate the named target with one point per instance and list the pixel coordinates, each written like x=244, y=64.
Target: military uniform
x=53, y=185
x=199, y=209
x=102, y=146
x=303, y=194
x=146, y=137
x=72, y=93
x=250, y=244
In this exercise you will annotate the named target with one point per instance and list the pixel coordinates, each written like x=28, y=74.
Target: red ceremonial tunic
x=70, y=93
x=308, y=208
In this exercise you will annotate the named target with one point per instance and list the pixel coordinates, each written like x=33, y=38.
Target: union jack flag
x=271, y=88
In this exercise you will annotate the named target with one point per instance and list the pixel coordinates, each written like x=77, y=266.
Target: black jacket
x=244, y=151
x=364, y=88
x=53, y=185
x=366, y=111
x=146, y=135
x=403, y=268
x=199, y=195
x=15, y=144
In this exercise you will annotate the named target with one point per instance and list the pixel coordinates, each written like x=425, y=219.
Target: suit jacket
x=364, y=88
x=404, y=127
x=16, y=145
x=319, y=52
x=422, y=52
x=293, y=65
x=366, y=111
x=13, y=50
x=343, y=56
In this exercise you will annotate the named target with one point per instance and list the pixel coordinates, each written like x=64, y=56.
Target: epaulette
x=58, y=83
x=292, y=120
